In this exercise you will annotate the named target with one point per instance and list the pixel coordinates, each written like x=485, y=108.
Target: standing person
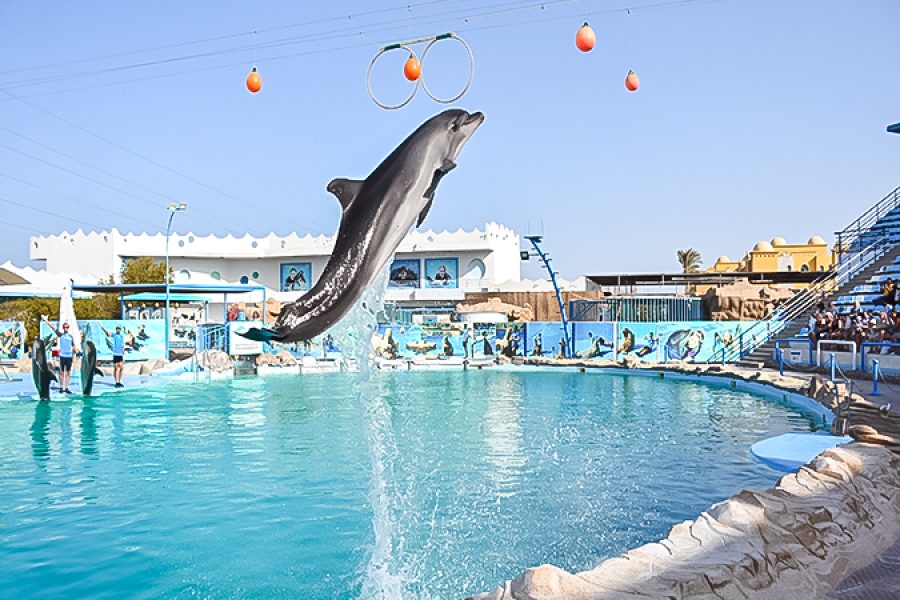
x=465, y=342
x=118, y=352
x=66, y=355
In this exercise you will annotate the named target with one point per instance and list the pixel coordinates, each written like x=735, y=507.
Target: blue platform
x=790, y=451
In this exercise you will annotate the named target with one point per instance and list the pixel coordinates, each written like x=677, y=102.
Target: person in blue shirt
x=66, y=355
x=117, y=345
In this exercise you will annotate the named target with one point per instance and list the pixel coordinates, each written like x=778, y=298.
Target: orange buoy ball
x=585, y=39
x=254, y=81
x=412, y=70
x=632, y=81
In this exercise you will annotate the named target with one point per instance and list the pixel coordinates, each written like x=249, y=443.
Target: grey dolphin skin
x=89, y=367
x=377, y=214
x=40, y=370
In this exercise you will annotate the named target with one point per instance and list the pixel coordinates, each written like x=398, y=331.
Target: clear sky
x=755, y=118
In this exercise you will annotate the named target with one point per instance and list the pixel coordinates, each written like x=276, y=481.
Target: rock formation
x=742, y=301
x=795, y=540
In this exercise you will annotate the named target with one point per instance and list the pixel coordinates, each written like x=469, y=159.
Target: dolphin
x=40, y=370
x=377, y=213
x=89, y=367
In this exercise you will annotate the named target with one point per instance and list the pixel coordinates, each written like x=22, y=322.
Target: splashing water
x=383, y=579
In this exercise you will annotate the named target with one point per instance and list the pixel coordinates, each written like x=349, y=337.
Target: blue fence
x=636, y=309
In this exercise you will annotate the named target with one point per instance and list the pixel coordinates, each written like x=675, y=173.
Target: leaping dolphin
x=377, y=214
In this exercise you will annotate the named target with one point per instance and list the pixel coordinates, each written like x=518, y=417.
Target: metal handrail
x=851, y=234
x=773, y=323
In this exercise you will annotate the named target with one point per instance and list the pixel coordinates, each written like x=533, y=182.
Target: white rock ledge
x=798, y=539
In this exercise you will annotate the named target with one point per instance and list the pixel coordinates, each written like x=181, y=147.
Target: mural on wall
x=594, y=339
x=144, y=339
x=690, y=341
x=296, y=276
x=404, y=273
x=441, y=272
x=322, y=346
x=638, y=339
x=510, y=338
x=445, y=340
x=12, y=340
x=544, y=338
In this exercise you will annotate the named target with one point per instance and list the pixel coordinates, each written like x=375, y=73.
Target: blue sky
x=755, y=118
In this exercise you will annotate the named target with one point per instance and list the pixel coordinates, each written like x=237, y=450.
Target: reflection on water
x=388, y=485
x=88, y=427
x=40, y=428
x=503, y=439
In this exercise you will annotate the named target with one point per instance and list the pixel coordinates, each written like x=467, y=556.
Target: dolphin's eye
x=455, y=126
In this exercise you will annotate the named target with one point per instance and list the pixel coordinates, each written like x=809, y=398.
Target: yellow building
x=778, y=255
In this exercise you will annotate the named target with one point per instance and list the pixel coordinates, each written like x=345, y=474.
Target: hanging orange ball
x=254, y=81
x=632, y=81
x=585, y=39
x=412, y=70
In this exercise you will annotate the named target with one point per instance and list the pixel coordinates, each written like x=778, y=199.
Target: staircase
x=867, y=245
x=764, y=354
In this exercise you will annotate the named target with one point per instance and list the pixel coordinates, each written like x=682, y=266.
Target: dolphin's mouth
x=475, y=116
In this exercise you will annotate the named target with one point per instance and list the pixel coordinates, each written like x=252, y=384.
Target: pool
x=427, y=485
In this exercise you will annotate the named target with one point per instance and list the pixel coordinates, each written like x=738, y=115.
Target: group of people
x=68, y=351
x=856, y=326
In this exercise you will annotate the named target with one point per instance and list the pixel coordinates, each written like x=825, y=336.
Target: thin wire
x=165, y=197
x=91, y=179
x=50, y=213
x=467, y=19
x=79, y=200
x=23, y=227
x=293, y=40
x=228, y=36
x=148, y=159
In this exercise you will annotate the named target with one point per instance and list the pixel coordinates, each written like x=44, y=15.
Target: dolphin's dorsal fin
x=345, y=190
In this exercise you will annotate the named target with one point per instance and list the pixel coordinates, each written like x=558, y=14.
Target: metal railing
x=862, y=231
x=211, y=337
x=775, y=322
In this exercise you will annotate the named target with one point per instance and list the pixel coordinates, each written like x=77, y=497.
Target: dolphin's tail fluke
x=263, y=335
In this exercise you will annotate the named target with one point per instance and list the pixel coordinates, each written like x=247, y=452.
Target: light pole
x=172, y=208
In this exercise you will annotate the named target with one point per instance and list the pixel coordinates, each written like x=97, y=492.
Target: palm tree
x=690, y=260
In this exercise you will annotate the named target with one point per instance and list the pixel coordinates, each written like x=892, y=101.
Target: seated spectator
x=888, y=289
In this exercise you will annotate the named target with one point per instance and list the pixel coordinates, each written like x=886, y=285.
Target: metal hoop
x=471, y=68
x=369, y=77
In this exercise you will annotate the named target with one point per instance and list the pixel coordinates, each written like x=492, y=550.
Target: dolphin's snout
x=475, y=116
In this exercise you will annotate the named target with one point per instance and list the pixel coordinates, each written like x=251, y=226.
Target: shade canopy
x=157, y=297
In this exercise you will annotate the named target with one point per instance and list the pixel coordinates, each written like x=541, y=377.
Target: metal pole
x=172, y=208
x=535, y=242
x=833, y=366
x=166, y=275
x=780, y=361
x=875, y=373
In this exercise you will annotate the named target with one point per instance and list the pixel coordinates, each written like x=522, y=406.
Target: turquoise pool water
x=432, y=484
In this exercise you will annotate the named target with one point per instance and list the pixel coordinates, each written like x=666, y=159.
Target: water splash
x=384, y=577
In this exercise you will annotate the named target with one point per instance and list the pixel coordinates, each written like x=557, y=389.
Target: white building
x=472, y=260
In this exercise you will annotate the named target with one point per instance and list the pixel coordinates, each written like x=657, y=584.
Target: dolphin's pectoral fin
x=345, y=190
x=98, y=372
x=425, y=210
x=53, y=377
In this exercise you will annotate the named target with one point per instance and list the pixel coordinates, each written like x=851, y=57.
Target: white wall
x=100, y=254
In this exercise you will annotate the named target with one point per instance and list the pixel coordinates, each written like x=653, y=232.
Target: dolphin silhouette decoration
x=40, y=370
x=377, y=213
